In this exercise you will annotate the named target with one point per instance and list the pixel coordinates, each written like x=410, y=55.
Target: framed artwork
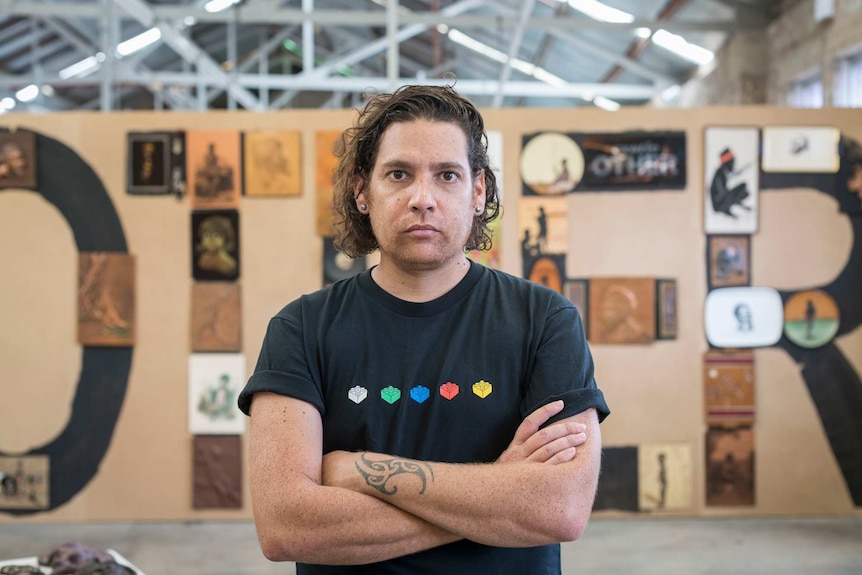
x=337, y=266
x=730, y=466
x=149, y=163
x=551, y=164
x=577, y=291
x=744, y=317
x=543, y=226
x=491, y=258
x=215, y=245
x=849, y=179
x=666, y=311
x=798, y=149
x=24, y=482
x=215, y=380
x=213, y=169
x=272, y=163
x=634, y=161
x=729, y=262
x=732, y=180
x=216, y=321
x=622, y=310
x=618, y=482
x=326, y=164
x=106, y=299
x=811, y=318
x=217, y=472
x=17, y=159
x=728, y=380
x=664, y=477
x=549, y=271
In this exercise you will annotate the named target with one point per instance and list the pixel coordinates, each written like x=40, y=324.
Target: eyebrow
x=403, y=164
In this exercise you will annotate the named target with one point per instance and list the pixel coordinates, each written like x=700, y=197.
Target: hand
x=554, y=444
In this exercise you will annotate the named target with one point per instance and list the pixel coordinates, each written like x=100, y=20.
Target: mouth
x=421, y=228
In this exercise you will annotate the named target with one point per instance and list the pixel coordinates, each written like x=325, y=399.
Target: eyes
x=446, y=175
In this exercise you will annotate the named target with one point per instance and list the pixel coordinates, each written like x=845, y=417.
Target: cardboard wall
x=655, y=391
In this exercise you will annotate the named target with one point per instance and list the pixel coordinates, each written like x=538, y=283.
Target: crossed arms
x=354, y=508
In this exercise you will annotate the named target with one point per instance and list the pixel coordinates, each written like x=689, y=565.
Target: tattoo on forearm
x=378, y=474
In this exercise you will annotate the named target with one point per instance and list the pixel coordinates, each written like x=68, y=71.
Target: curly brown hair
x=357, y=151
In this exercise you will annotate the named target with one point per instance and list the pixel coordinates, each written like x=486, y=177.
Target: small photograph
x=326, y=164
x=622, y=310
x=213, y=169
x=728, y=393
x=217, y=472
x=664, y=477
x=732, y=170
x=149, y=163
x=543, y=226
x=17, y=159
x=801, y=149
x=666, y=314
x=215, y=245
x=24, y=482
x=730, y=466
x=337, y=265
x=729, y=260
x=811, y=318
x=216, y=320
x=215, y=380
x=272, y=163
x=106, y=299
x=577, y=291
x=552, y=164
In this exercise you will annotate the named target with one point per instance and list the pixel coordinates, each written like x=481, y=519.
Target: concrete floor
x=610, y=546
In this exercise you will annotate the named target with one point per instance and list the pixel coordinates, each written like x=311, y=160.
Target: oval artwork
x=545, y=272
x=551, y=164
x=811, y=318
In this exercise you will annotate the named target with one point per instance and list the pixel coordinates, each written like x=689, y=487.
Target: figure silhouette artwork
x=743, y=317
x=725, y=198
x=810, y=314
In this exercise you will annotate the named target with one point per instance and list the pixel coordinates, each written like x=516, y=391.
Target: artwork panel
x=149, y=163
x=217, y=472
x=215, y=380
x=665, y=477
x=18, y=161
x=666, y=309
x=811, y=318
x=25, y=482
x=618, y=481
x=548, y=270
x=577, y=291
x=730, y=466
x=326, y=164
x=729, y=262
x=622, y=310
x=214, y=169
x=106, y=299
x=731, y=169
x=729, y=385
x=801, y=149
x=491, y=257
x=634, y=161
x=551, y=164
x=272, y=163
x=743, y=317
x=215, y=245
x=216, y=319
x=337, y=265
x=543, y=226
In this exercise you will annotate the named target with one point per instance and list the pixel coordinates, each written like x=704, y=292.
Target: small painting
x=215, y=245
x=577, y=291
x=543, y=226
x=729, y=260
x=731, y=167
x=213, y=169
x=634, y=161
x=849, y=182
x=106, y=299
x=217, y=472
x=744, y=317
x=728, y=393
x=552, y=164
x=17, y=159
x=730, y=466
x=149, y=163
x=215, y=380
x=801, y=149
x=618, y=481
x=337, y=265
x=24, y=482
x=622, y=310
x=327, y=162
x=272, y=163
x=216, y=319
x=666, y=314
x=664, y=477
x=811, y=318
x=549, y=271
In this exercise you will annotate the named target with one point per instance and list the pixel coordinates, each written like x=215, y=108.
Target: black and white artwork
x=744, y=317
x=798, y=149
x=731, y=170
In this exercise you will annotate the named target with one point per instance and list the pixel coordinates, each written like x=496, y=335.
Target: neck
x=419, y=285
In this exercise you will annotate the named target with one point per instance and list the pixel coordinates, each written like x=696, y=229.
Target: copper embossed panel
x=664, y=476
x=215, y=245
x=730, y=466
x=729, y=261
x=216, y=319
x=17, y=159
x=622, y=310
x=217, y=472
x=729, y=386
x=106, y=299
x=213, y=160
x=326, y=164
x=24, y=482
x=272, y=163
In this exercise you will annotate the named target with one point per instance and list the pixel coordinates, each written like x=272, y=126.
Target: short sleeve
x=282, y=366
x=563, y=368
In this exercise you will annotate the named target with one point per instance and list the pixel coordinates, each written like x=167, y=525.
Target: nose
x=422, y=196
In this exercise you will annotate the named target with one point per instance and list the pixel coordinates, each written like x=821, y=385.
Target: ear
x=479, y=188
x=359, y=196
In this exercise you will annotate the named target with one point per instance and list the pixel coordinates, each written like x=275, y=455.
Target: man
x=429, y=415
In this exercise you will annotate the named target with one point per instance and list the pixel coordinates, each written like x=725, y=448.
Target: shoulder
x=318, y=302
x=516, y=289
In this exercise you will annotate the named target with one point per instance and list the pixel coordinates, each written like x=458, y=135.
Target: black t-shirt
x=448, y=380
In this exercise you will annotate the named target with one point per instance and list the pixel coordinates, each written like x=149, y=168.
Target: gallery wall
x=656, y=391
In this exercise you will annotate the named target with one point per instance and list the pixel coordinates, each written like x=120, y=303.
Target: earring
x=362, y=207
x=478, y=209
